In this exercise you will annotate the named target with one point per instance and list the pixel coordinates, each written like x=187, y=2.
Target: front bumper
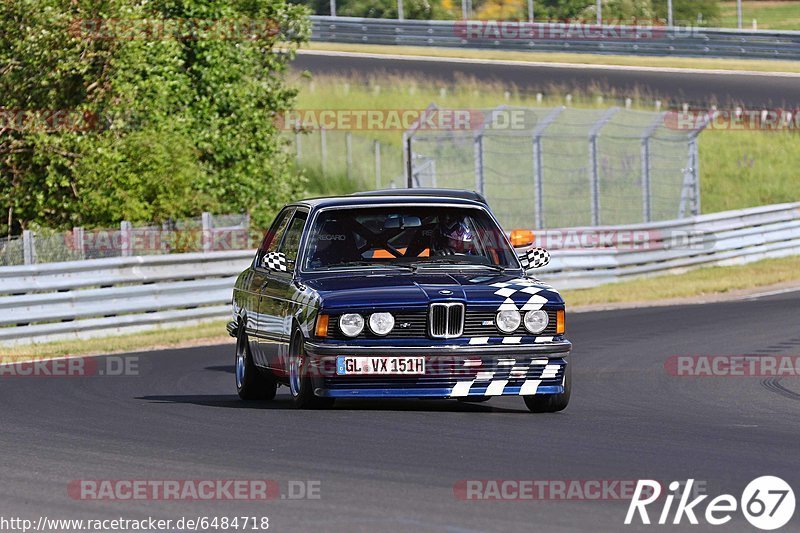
x=450, y=371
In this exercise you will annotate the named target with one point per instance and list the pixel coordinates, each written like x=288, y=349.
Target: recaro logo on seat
x=332, y=237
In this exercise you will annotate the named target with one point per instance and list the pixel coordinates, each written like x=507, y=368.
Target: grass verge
x=697, y=283
x=769, y=14
x=751, y=65
x=161, y=338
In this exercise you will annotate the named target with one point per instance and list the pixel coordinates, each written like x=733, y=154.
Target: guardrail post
x=377, y=146
x=478, y=157
x=28, y=247
x=594, y=173
x=77, y=242
x=125, y=238
x=208, y=228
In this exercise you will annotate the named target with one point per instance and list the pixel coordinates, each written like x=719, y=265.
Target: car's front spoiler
x=478, y=350
x=509, y=390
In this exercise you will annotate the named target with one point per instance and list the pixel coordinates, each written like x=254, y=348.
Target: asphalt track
x=392, y=465
x=674, y=88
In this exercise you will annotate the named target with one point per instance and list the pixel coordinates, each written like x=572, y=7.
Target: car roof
x=398, y=196
x=427, y=191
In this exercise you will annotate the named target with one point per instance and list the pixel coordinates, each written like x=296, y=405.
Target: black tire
x=252, y=383
x=552, y=403
x=301, y=386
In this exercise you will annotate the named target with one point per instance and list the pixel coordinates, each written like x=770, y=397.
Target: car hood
x=377, y=290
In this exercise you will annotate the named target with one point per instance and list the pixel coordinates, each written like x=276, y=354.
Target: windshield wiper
x=455, y=262
x=372, y=264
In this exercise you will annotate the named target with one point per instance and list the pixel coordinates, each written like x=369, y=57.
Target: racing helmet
x=457, y=236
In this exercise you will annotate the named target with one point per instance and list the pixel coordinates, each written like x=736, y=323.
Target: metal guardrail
x=730, y=237
x=96, y=297
x=561, y=37
x=108, y=296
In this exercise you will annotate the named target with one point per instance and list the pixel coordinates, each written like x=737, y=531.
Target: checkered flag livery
x=535, y=258
x=275, y=261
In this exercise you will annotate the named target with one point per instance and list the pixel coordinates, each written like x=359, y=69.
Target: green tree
x=166, y=126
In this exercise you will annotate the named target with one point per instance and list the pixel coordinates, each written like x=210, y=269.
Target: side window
x=291, y=242
x=273, y=237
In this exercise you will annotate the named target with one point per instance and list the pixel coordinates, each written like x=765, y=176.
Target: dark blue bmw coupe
x=397, y=294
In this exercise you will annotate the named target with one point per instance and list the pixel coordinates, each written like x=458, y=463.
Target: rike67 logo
x=767, y=503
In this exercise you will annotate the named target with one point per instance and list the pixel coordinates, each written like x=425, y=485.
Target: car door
x=276, y=298
x=262, y=343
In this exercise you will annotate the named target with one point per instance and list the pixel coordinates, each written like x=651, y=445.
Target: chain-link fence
x=564, y=167
x=346, y=154
x=205, y=233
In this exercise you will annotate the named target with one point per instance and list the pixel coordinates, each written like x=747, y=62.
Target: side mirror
x=275, y=261
x=534, y=258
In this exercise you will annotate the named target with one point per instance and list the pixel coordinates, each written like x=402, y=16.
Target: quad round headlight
x=536, y=321
x=508, y=321
x=381, y=323
x=351, y=324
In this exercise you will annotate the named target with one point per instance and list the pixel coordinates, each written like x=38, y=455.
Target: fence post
x=478, y=157
x=348, y=141
x=208, y=228
x=77, y=242
x=323, y=150
x=594, y=172
x=407, y=162
x=647, y=195
x=28, y=247
x=377, y=146
x=125, y=238
x=298, y=147
x=538, y=172
x=695, y=160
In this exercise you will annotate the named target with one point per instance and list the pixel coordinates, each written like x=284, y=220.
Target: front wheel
x=300, y=383
x=552, y=403
x=251, y=383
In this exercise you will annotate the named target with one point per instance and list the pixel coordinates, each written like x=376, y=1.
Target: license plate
x=380, y=365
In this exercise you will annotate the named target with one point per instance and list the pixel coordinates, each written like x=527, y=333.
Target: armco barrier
x=678, y=41
x=108, y=296
x=724, y=238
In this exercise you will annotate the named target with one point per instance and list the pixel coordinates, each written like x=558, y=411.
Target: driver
x=453, y=236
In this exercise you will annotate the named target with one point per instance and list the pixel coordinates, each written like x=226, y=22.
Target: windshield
x=407, y=237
